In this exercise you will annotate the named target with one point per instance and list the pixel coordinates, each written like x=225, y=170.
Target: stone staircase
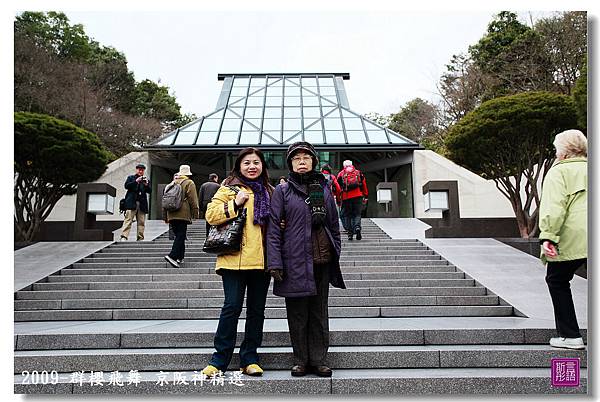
x=394, y=330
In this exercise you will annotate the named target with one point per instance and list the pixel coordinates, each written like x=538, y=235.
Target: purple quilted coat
x=290, y=249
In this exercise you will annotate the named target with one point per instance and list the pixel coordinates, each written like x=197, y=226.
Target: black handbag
x=226, y=238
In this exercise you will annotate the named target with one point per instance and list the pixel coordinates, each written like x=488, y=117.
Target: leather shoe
x=298, y=371
x=322, y=371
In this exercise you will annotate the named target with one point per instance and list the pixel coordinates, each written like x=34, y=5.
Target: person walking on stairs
x=179, y=219
x=207, y=192
x=353, y=196
x=304, y=257
x=136, y=202
x=243, y=272
x=563, y=226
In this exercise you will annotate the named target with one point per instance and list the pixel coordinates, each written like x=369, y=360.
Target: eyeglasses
x=297, y=159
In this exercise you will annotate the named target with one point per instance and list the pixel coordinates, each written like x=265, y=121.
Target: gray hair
x=570, y=144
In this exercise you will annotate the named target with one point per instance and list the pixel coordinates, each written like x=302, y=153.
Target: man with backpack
x=180, y=206
x=354, y=194
x=207, y=191
x=135, y=203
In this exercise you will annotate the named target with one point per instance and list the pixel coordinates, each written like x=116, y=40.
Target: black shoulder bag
x=226, y=238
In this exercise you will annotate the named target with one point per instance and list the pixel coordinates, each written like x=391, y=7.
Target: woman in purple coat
x=304, y=257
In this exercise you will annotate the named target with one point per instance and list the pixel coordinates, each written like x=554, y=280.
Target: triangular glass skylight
x=265, y=109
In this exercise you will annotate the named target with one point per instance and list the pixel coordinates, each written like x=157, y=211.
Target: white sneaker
x=567, y=343
x=172, y=261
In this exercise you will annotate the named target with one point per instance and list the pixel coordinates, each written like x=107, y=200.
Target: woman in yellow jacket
x=246, y=268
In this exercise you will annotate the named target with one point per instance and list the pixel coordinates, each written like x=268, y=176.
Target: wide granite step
x=187, y=282
x=191, y=275
x=145, y=255
x=280, y=358
x=191, y=269
x=401, y=261
x=344, y=381
x=81, y=290
x=270, y=312
x=109, y=337
x=372, y=301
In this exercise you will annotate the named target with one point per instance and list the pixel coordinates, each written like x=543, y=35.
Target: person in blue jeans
x=242, y=272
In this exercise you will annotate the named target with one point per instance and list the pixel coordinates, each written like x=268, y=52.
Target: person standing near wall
x=354, y=192
x=182, y=217
x=563, y=226
x=136, y=202
x=207, y=192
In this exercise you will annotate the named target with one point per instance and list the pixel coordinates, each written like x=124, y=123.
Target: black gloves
x=277, y=274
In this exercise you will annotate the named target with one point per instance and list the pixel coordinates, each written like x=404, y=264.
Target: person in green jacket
x=563, y=226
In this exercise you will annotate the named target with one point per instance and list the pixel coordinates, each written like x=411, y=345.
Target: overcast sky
x=392, y=57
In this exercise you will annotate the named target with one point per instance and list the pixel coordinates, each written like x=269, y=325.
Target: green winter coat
x=563, y=209
x=189, y=209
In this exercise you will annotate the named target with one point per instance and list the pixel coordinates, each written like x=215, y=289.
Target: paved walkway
x=402, y=228
x=39, y=260
x=153, y=229
x=515, y=276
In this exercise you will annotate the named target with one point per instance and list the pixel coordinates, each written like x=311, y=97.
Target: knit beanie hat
x=302, y=146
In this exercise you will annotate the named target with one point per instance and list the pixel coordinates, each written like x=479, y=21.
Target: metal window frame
x=341, y=106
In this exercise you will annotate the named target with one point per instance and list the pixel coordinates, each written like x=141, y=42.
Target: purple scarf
x=262, y=202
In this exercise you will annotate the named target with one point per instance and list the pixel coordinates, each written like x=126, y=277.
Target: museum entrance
x=378, y=167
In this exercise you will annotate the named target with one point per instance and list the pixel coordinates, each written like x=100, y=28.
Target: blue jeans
x=235, y=284
x=344, y=218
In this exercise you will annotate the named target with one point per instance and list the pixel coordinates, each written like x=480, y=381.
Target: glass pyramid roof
x=275, y=110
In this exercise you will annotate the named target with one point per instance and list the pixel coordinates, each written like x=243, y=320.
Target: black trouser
x=558, y=276
x=353, y=208
x=180, y=231
x=308, y=322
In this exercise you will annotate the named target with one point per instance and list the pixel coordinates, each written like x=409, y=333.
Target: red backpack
x=351, y=180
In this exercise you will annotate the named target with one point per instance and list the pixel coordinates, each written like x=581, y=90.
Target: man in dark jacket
x=207, y=192
x=136, y=202
x=304, y=257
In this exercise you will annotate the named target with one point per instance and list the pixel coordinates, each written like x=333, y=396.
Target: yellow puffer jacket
x=220, y=210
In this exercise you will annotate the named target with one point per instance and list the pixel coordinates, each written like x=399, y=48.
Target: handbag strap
x=234, y=189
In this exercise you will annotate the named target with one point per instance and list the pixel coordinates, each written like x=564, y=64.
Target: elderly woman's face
x=302, y=162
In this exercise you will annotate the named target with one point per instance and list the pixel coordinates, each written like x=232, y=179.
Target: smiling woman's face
x=251, y=166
